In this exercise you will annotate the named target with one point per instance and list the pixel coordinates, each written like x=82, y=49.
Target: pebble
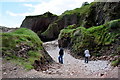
x=44, y=71
x=101, y=74
x=71, y=74
x=4, y=73
x=49, y=72
x=15, y=68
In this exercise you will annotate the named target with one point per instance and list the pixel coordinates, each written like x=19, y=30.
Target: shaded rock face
x=68, y=20
x=39, y=23
x=98, y=14
x=103, y=12
x=54, y=28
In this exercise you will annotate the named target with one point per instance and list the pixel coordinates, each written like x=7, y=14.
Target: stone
x=15, y=68
x=101, y=74
x=5, y=73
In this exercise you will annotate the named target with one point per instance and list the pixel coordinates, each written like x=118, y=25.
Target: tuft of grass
x=66, y=33
x=115, y=63
x=71, y=26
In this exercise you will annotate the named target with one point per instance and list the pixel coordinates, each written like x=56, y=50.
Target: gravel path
x=72, y=68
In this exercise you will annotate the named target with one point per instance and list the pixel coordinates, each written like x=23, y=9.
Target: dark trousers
x=60, y=58
x=86, y=59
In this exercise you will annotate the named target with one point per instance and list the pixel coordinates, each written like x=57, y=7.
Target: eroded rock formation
x=39, y=23
x=94, y=14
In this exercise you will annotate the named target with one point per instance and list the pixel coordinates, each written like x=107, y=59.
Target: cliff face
x=39, y=23
x=104, y=12
x=97, y=29
x=54, y=28
x=94, y=14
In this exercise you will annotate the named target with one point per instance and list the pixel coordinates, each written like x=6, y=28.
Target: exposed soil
x=72, y=68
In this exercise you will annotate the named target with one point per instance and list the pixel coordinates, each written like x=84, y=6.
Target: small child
x=87, y=55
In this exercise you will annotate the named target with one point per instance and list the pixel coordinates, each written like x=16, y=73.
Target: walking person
x=61, y=53
x=87, y=55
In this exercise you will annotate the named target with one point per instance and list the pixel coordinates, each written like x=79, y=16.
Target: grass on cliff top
x=47, y=14
x=82, y=10
x=12, y=41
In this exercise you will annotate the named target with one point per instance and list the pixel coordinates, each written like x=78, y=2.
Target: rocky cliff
x=39, y=23
x=97, y=30
x=94, y=14
x=90, y=15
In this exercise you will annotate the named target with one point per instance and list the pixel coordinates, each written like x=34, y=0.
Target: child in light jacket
x=87, y=55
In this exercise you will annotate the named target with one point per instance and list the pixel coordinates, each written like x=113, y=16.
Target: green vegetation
x=115, y=63
x=82, y=10
x=51, y=32
x=98, y=39
x=71, y=26
x=67, y=32
x=77, y=16
x=23, y=47
x=47, y=14
x=21, y=35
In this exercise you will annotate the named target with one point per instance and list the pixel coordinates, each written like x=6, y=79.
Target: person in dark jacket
x=61, y=53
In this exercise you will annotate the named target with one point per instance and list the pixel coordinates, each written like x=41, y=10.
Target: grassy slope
x=13, y=42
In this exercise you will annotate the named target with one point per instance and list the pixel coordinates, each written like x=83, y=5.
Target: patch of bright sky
x=13, y=12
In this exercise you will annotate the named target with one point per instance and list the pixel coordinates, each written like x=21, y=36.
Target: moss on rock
x=98, y=39
x=51, y=33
